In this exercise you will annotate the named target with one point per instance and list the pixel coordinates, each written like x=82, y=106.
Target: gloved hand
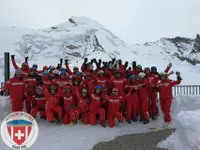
x=170, y=65
x=61, y=61
x=120, y=62
x=26, y=59
x=113, y=60
x=126, y=64
x=12, y=56
x=100, y=61
x=66, y=61
x=2, y=93
x=85, y=60
x=178, y=74
x=94, y=60
x=134, y=64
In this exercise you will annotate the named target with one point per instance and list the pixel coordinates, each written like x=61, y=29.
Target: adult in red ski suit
x=132, y=99
x=165, y=90
x=119, y=82
x=114, y=101
x=24, y=68
x=101, y=79
x=69, y=105
x=17, y=88
x=40, y=102
x=143, y=98
x=52, y=102
x=95, y=107
x=83, y=100
x=30, y=84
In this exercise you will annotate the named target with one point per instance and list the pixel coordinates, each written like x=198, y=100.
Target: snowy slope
x=83, y=37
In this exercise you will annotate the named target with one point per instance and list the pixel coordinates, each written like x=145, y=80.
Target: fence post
x=6, y=69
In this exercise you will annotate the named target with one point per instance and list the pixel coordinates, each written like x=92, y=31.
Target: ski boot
x=134, y=120
x=141, y=119
x=120, y=124
x=78, y=121
x=129, y=121
x=71, y=123
x=103, y=125
x=146, y=121
x=153, y=118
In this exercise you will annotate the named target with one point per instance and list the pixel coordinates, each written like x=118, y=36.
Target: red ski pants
x=85, y=116
x=144, y=107
x=112, y=116
x=17, y=103
x=69, y=116
x=30, y=103
x=40, y=107
x=153, y=103
x=50, y=113
x=165, y=107
x=131, y=109
x=93, y=117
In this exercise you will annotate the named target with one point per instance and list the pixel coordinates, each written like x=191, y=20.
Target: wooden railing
x=190, y=90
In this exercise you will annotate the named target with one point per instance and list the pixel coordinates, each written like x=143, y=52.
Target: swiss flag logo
x=19, y=130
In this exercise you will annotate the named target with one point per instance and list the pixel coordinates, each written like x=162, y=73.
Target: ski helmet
x=56, y=72
x=98, y=87
x=153, y=68
x=52, y=68
x=133, y=77
x=142, y=75
x=35, y=66
x=139, y=66
x=63, y=69
x=79, y=73
x=63, y=73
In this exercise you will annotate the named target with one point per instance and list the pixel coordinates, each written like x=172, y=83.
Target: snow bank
x=186, y=115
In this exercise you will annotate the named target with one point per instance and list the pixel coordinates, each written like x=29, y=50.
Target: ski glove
x=155, y=88
x=178, y=73
x=26, y=59
x=120, y=62
x=61, y=61
x=133, y=91
x=100, y=61
x=179, y=78
x=134, y=64
x=66, y=61
x=89, y=101
x=113, y=60
x=170, y=65
x=13, y=56
x=85, y=60
x=126, y=64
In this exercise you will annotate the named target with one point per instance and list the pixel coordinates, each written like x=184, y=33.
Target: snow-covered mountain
x=82, y=37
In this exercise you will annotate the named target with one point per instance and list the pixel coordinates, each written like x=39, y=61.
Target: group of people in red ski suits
x=112, y=92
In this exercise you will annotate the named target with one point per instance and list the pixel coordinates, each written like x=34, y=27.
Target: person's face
x=52, y=91
x=24, y=66
x=63, y=76
x=18, y=75
x=68, y=90
x=118, y=74
x=84, y=94
x=75, y=70
x=163, y=77
x=32, y=72
x=97, y=91
x=53, y=75
x=133, y=80
x=115, y=93
x=147, y=72
x=153, y=71
x=101, y=74
x=138, y=69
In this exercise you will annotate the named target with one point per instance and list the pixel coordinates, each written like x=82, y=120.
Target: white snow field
x=84, y=137
x=186, y=116
x=88, y=38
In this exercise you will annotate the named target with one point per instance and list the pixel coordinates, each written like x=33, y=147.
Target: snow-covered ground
x=89, y=39
x=186, y=116
x=84, y=137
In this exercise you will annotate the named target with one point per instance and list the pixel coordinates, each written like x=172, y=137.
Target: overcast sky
x=134, y=21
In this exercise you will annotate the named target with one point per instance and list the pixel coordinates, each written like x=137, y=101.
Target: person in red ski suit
x=119, y=82
x=143, y=98
x=101, y=79
x=114, y=101
x=17, y=88
x=83, y=101
x=24, y=68
x=131, y=99
x=165, y=90
x=52, y=102
x=69, y=105
x=95, y=107
x=40, y=103
x=30, y=84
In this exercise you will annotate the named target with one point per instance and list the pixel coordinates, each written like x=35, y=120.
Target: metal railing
x=187, y=90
